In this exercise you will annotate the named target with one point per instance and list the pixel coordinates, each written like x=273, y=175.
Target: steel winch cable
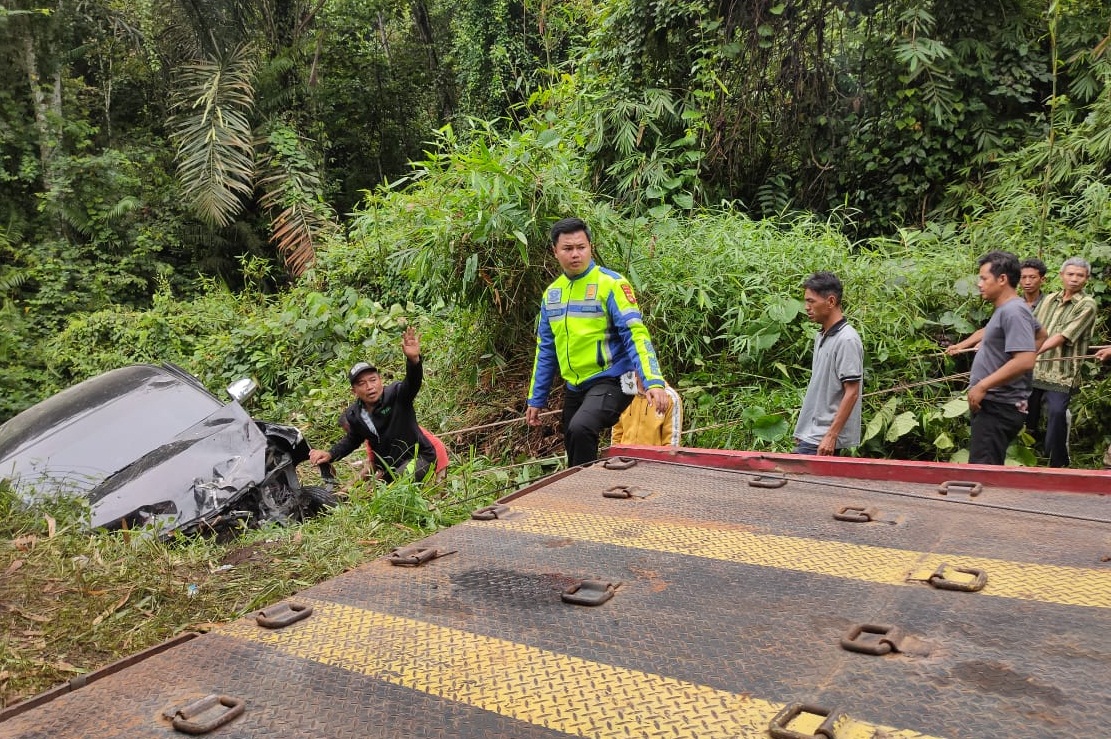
x=909, y=386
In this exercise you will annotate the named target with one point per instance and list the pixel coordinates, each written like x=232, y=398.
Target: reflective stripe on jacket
x=590, y=327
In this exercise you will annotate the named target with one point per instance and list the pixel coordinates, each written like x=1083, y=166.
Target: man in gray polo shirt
x=829, y=421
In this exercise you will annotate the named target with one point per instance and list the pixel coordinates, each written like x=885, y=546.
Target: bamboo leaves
x=923, y=58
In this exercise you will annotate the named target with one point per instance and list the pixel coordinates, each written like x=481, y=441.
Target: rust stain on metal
x=559, y=581
x=656, y=584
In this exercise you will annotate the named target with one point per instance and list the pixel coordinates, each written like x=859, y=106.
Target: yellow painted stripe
x=1073, y=586
x=567, y=694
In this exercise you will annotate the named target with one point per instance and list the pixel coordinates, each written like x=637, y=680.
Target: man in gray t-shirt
x=830, y=417
x=1001, y=378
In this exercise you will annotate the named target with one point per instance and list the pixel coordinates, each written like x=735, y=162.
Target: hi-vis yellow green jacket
x=590, y=327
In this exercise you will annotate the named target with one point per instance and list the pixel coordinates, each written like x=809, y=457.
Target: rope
x=488, y=470
x=947, y=354
x=976, y=348
x=897, y=388
x=734, y=422
x=908, y=386
x=964, y=375
x=495, y=424
x=1066, y=359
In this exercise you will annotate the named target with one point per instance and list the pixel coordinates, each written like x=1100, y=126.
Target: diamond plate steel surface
x=285, y=697
x=731, y=605
x=545, y=688
x=885, y=565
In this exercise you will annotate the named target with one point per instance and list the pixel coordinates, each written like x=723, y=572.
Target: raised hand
x=410, y=344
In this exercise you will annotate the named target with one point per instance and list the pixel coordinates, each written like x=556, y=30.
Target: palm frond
x=212, y=131
x=12, y=279
x=12, y=232
x=291, y=194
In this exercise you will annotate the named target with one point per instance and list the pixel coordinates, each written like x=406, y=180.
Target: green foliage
x=383, y=83
x=474, y=229
x=1052, y=194
x=943, y=95
x=286, y=344
x=169, y=331
x=868, y=110
x=404, y=501
x=499, y=59
x=22, y=370
x=646, y=146
x=487, y=51
x=292, y=192
x=213, y=133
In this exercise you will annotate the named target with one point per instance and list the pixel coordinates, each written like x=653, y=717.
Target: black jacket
x=398, y=436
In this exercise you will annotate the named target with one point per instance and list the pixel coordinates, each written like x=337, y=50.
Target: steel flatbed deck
x=749, y=595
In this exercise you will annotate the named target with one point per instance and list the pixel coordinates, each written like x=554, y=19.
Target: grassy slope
x=72, y=601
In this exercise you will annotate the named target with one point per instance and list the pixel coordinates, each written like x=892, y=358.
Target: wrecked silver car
x=149, y=446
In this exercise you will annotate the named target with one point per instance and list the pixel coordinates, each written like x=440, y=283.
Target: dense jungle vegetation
x=264, y=188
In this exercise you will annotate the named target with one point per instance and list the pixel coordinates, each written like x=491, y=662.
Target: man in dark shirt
x=384, y=417
x=1001, y=378
x=1031, y=278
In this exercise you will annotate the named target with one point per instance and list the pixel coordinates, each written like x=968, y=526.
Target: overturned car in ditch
x=150, y=447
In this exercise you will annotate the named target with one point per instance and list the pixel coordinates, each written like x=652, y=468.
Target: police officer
x=591, y=329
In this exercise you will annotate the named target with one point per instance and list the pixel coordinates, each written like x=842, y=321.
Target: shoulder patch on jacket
x=628, y=290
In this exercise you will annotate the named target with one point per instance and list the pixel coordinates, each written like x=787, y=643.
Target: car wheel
x=317, y=498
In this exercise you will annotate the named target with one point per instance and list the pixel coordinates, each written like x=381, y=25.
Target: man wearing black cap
x=385, y=418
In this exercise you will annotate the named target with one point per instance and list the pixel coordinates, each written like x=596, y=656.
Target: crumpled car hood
x=200, y=472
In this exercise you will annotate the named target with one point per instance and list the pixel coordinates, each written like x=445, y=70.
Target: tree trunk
x=422, y=20
x=48, y=109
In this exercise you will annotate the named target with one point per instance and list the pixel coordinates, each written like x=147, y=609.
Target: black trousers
x=586, y=413
x=1056, y=445
x=994, y=427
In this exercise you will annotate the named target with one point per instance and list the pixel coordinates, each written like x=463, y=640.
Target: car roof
x=105, y=421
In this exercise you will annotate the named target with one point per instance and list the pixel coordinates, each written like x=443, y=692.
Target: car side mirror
x=242, y=389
